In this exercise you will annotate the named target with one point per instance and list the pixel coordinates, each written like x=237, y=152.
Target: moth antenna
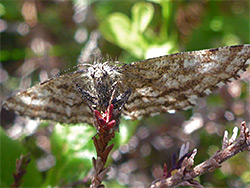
x=71, y=68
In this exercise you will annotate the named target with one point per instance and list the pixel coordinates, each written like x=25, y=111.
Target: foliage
x=50, y=35
x=10, y=151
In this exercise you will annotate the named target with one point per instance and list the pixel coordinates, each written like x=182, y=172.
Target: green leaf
x=156, y=1
x=73, y=149
x=159, y=50
x=2, y=10
x=142, y=14
x=245, y=177
x=126, y=130
x=10, y=151
x=117, y=28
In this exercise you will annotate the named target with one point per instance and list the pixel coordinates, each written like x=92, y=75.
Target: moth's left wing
x=174, y=82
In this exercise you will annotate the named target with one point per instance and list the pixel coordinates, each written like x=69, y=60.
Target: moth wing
x=56, y=99
x=174, y=82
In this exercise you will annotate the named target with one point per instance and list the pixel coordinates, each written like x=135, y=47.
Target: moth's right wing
x=56, y=99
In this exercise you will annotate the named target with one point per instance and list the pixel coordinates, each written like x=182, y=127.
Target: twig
x=105, y=132
x=185, y=174
x=106, y=123
x=21, y=165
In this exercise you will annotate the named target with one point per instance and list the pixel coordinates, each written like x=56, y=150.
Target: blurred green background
x=41, y=38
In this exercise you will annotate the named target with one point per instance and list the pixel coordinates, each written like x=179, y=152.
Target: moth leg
x=121, y=100
x=113, y=89
x=87, y=97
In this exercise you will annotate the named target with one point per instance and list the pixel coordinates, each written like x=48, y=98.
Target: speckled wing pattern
x=55, y=99
x=162, y=84
x=174, y=82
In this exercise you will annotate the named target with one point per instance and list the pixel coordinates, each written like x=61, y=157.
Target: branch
x=21, y=165
x=102, y=154
x=105, y=132
x=184, y=175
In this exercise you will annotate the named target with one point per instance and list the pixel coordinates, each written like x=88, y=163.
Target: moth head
x=99, y=73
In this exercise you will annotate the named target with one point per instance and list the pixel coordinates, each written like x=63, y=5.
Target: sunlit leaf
x=245, y=177
x=126, y=130
x=73, y=149
x=142, y=14
x=117, y=28
x=2, y=10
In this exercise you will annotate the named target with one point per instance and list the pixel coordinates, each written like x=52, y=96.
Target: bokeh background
x=41, y=38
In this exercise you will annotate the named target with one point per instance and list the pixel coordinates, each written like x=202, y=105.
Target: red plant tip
x=100, y=120
x=103, y=121
x=111, y=124
x=97, y=114
x=109, y=112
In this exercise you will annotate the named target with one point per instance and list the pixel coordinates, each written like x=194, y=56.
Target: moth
x=139, y=89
